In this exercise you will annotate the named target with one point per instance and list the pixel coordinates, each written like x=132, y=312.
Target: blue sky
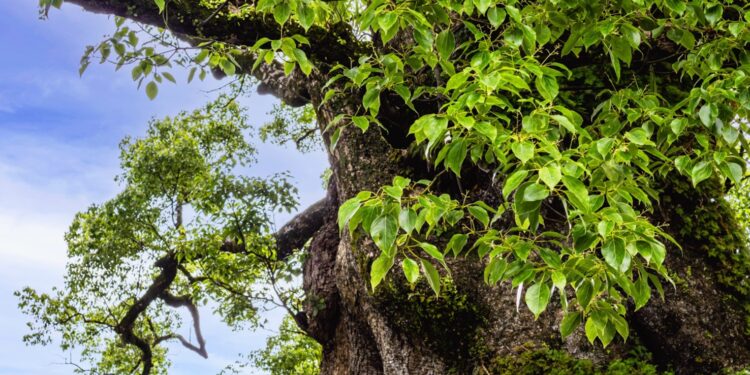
x=58, y=154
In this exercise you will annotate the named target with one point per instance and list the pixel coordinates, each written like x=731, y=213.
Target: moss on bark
x=532, y=361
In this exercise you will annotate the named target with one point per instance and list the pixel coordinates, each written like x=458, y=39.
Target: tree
x=570, y=156
x=291, y=352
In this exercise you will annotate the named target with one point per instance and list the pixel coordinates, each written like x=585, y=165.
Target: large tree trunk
x=699, y=327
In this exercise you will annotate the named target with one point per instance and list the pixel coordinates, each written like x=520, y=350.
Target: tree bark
x=699, y=327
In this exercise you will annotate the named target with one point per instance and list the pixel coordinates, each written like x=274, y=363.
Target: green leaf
x=411, y=270
x=701, y=171
x=621, y=50
x=457, y=80
x=169, y=77
x=524, y=151
x=731, y=170
x=407, y=219
x=347, y=211
x=615, y=255
x=361, y=122
x=513, y=36
x=547, y=87
x=566, y=123
x=514, y=80
x=387, y=20
x=383, y=232
x=380, y=268
x=592, y=331
x=306, y=15
x=584, y=293
x=713, y=13
x=535, y=192
x=335, y=138
x=227, y=66
x=302, y=61
x=456, y=155
x=160, y=4
x=371, y=100
x=522, y=249
x=559, y=280
x=513, y=182
x=705, y=115
x=550, y=175
x=577, y=193
x=152, y=90
x=495, y=270
x=526, y=212
x=638, y=136
x=677, y=6
x=570, y=322
x=446, y=43
x=641, y=292
x=432, y=250
x=281, y=12
x=480, y=214
x=486, y=129
x=534, y=123
x=482, y=5
x=537, y=298
x=496, y=16
x=457, y=243
x=432, y=275
x=621, y=325
x=632, y=35
x=514, y=13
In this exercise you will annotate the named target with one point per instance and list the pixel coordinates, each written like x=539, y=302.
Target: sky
x=58, y=154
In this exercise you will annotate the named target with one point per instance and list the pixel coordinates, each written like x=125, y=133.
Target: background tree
x=567, y=155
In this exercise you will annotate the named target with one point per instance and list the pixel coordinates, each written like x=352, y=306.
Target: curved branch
x=295, y=233
x=124, y=327
x=186, y=301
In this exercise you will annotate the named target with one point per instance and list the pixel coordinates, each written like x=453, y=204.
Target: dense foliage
x=576, y=110
x=591, y=137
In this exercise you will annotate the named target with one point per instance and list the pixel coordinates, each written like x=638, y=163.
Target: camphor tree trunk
x=699, y=327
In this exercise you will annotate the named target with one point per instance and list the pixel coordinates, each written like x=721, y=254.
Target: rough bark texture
x=698, y=328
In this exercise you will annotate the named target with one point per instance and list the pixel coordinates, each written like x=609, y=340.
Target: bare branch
x=187, y=302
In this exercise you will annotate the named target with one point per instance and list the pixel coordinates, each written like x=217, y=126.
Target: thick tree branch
x=160, y=289
x=291, y=89
x=124, y=328
x=294, y=234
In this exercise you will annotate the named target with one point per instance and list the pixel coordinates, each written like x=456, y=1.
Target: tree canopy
x=570, y=113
